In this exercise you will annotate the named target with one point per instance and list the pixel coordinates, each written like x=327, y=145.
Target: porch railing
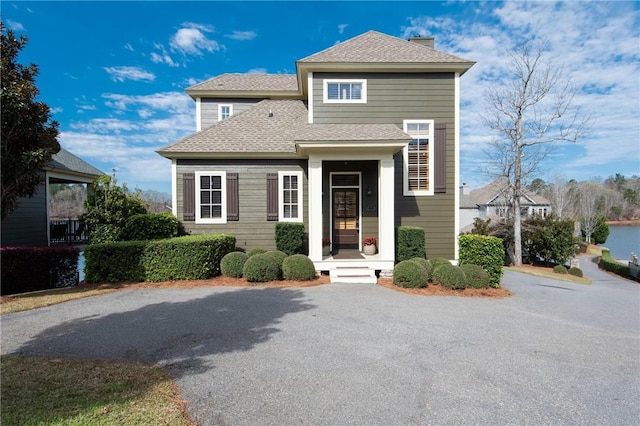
x=65, y=232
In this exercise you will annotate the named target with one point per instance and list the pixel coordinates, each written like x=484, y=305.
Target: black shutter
x=440, y=158
x=188, y=197
x=233, y=202
x=272, y=196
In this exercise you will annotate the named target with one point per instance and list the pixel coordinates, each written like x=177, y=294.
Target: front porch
x=351, y=269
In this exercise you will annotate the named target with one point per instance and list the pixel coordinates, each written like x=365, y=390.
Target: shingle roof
x=248, y=82
x=376, y=47
x=66, y=161
x=488, y=193
x=350, y=132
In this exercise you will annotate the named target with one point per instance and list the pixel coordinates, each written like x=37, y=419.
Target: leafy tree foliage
x=548, y=238
x=28, y=135
x=108, y=207
x=600, y=231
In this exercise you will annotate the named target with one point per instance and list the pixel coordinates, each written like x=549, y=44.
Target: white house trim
x=198, y=114
x=310, y=97
x=456, y=165
x=174, y=187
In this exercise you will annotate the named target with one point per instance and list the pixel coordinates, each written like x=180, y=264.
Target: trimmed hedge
x=261, y=268
x=450, y=276
x=150, y=226
x=608, y=263
x=191, y=257
x=485, y=251
x=409, y=242
x=290, y=237
x=576, y=272
x=26, y=269
x=232, y=264
x=425, y=264
x=476, y=276
x=298, y=267
x=278, y=255
x=410, y=274
x=437, y=261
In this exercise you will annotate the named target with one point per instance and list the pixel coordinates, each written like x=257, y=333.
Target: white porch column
x=315, y=208
x=386, y=210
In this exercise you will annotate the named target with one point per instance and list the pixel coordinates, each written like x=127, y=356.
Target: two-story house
x=362, y=139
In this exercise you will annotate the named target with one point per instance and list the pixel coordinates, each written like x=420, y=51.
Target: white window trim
x=405, y=161
x=220, y=106
x=223, y=218
x=325, y=91
x=281, y=217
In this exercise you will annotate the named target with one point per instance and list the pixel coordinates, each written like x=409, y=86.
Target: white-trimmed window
x=345, y=91
x=418, y=157
x=211, y=197
x=290, y=196
x=224, y=111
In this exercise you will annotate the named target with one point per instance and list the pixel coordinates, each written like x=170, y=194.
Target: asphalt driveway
x=553, y=353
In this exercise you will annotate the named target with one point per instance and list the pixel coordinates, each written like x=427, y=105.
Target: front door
x=346, y=215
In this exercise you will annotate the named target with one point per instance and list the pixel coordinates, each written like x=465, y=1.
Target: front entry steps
x=353, y=274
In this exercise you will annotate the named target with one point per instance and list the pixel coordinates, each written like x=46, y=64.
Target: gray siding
x=392, y=98
x=209, y=108
x=27, y=224
x=252, y=230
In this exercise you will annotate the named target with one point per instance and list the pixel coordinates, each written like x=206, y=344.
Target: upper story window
x=225, y=111
x=211, y=197
x=418, y=158
x=290, y=191
x=345, y=91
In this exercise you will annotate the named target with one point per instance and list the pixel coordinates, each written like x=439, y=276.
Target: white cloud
x=124, y=73
x=191, y=40
x=15, y=26
x=242, y=35
x=342, y=27
x=163, y=57
x=257, y=71
x=129, y=47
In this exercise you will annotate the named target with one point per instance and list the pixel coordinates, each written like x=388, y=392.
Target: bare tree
x=589, y=197
x=562, y=197
x=529, y=112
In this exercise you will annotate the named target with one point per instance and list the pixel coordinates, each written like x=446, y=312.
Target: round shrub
x=559, y=269
x=576, y=272
x=410, y=274
x=450, y=276
x=437, y=261
x=278, y=255
x=261, y=268
x=477, y=277
x=425, y=264
x=232, y=263
x=298, y=267
x=255, y=251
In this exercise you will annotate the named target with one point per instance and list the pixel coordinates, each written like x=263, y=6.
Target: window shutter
x=188, y=197
x=272, y=196
x=233, y=202
x=440, y=158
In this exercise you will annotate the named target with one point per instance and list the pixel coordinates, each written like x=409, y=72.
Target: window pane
x=287, y=211
x=216, y=182
x=294, y=182
x=286, y=182
x=294, y=211
x=356, y=91
x=294, y=196
x=332, y=90
x=205, y=182
x=205, y=197
x=205, y=212
x=216, y=197
x=216, y=211
x=286, y=196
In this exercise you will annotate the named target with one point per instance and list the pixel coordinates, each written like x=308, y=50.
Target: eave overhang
x=349, y=147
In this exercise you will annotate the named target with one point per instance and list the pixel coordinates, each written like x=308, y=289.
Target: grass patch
x=38, y=391
x=544, y=272
x=39, y=299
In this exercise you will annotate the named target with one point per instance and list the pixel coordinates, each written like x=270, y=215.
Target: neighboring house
x=362, y=139
x=491, y=202
x=29, y=223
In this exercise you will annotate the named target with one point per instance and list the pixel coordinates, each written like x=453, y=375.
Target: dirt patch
x=437, y=290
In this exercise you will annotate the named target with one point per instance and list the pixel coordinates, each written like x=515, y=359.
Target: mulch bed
x=437, y=290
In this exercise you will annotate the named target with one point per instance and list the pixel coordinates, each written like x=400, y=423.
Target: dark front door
x=346, y=214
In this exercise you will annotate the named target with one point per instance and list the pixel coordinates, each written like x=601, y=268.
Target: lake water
x=622, y=241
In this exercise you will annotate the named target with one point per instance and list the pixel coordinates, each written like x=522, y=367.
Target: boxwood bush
x=476, y=276
x=409, y=243
x=559, y=269
x=150, y=226
x=261, y=268
x=425, y=264
x=410, y=274
x=485, y=251
x=576, y=272
x=450, y=276
x=255, y=251
x=438, y=261
x=290, y=237
x=298, y=267
x=232, y=263
x=278, y=255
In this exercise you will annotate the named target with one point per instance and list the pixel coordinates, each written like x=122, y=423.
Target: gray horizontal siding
x=209, y=108
x=252, y=230
x=27, y=224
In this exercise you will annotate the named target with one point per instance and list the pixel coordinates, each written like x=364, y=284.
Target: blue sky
x=114, y=73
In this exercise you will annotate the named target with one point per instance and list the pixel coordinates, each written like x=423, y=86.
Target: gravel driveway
x=553, y=353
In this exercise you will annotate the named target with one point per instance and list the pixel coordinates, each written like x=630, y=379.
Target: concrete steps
x=353, y=274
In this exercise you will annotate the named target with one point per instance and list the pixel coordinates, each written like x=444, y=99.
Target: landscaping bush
x=26, y=269
x=476, y=276
x=232, y=263
x=290, y=237
x=150, y=226
x=559, y=269
x=576, y=272
x=437, y=261
x=608, y=263
x=425, y=264
x=298, y=267
x=409, y=243
x=255, y=251
x=114, y=262
x=485, y=251
x=278, y=255
x=548, y=238
x=450, y=276
x=410, y=274
x=261, y=268
x=104, y=233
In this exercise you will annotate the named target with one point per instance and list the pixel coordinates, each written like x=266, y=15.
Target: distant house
x=29, y=223
x=490, y=202
x=361, y=139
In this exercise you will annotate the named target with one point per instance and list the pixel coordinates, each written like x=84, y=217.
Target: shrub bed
x=261, y=268
x=26, y=269
x=232, y=263
x=409, y=274
x=298, y=267
x=450, y=276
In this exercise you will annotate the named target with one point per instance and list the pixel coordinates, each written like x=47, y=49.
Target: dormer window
x=345, y=91
x=224, y=111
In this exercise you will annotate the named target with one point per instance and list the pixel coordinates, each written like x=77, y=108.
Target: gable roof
x=247, y=83
x=67, y=162
x=489, y=193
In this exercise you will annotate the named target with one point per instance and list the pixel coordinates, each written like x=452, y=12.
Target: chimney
x=425, y=41
x=464, y=189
